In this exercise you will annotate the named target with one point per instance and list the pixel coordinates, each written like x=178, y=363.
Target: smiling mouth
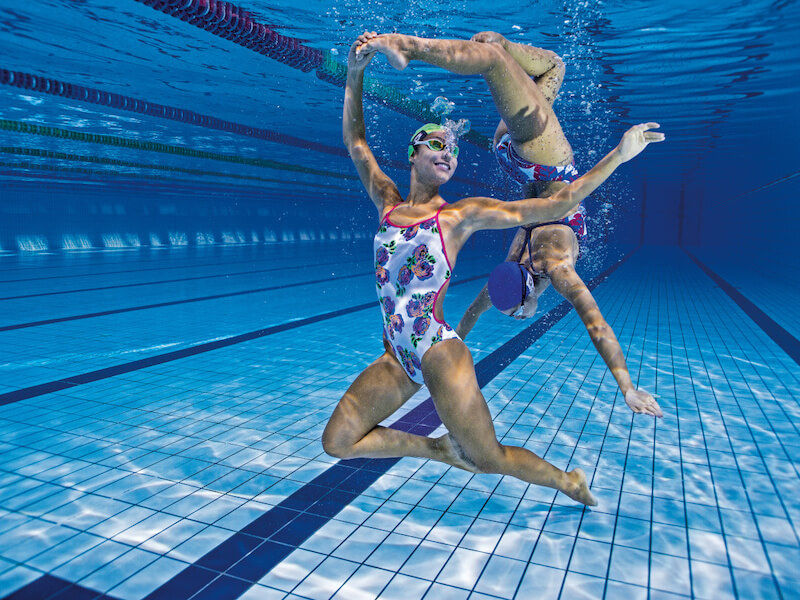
x=442, y=164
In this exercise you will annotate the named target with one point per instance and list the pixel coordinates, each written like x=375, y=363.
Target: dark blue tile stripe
x=342, y=483
x=69, y=382
x=784, y=339
x=231, y=568
x=48, y=587
x=161, y=281
x=117, y=311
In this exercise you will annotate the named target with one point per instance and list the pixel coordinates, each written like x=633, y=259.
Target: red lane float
x=231, y=22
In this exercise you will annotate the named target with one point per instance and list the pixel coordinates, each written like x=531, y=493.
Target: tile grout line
x=279, y=531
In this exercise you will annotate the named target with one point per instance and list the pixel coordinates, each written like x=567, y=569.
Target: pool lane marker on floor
x=164, y=281
x=115, y=311
x=82, y=378
x=235, y=565
x=784, y=339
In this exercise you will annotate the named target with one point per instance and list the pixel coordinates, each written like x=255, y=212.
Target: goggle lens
x=438, y=146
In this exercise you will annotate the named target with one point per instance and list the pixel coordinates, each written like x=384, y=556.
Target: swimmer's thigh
x=376, y=393
x=450, y=377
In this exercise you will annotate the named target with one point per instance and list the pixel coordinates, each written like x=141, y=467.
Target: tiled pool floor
x=189, y=463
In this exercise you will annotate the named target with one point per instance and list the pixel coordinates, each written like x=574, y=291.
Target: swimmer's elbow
x=358, y=149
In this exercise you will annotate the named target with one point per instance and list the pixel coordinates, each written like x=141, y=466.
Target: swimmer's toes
x=579, y=490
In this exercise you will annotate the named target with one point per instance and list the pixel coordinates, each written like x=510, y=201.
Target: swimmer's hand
x=642, y=402
x=360, y=51
x=636, y=139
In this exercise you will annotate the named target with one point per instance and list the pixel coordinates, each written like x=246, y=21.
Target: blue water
x=176, y=327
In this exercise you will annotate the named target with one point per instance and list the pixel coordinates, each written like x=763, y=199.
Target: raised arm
x=487, y=213
x=380, y=188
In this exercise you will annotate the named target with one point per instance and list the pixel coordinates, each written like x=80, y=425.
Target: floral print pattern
x=410, y=270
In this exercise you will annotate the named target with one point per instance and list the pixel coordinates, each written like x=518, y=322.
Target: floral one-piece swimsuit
x=411, y=267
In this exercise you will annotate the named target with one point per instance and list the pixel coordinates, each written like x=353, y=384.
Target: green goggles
x=438, y=146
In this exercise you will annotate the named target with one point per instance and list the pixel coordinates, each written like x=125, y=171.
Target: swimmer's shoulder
x=473, y=205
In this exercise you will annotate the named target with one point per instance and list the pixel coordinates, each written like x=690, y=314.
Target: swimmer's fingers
x=636, y=139
x=360, y=51
x=363, y=48
x=651, y=136
x=641, y=402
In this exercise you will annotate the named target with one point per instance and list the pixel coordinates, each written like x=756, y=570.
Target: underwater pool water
x=186, y=291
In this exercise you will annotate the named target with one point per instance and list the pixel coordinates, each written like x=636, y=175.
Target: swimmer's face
x=432, y=164
x=526, y=308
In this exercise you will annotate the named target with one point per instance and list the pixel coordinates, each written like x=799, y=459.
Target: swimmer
x=531, y=147
x=416, y=247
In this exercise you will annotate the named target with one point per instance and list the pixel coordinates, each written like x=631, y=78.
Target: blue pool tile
x=393, y=552
x=483, y=535
x=541, y=581
x=113, y=573
x=784, y=560
x=670, y=574
x=403, y=587
x=260, y=592
x=292, y=570
x=326, y=579
x=300, y=529
x=702, y=517
x=87, y=562
x=262, y=449
x=629, y=565
x=43, y=587
x=361, y=543
x=223, y=588
x=229, y=552
x=598, y=526
x=756, y=585
x=579, y=586
x=427, y=560
x=463, y=568
x=711, y=581
x=365, y=582
x=739, y=523
x=634, y=533
x=564, y=521
x=419, y=522
x=500, y=577
x=669, y=539
x=708, y=546
x=590, y=558
x=450, y=529
x=148, y=579
x=553, y=550
x=777, y=530
x=517, y=543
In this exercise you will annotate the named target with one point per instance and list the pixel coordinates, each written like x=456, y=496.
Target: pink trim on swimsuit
x=411, y=269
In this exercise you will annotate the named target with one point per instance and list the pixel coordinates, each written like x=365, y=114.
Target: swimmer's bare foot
x=453, y=454
x=487, y=37
x=578, y=488
x=391, y=45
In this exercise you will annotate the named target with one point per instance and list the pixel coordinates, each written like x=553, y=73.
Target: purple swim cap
x=507, y=285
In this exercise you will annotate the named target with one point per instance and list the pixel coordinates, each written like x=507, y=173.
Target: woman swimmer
x=416, y=247
x=531, y=147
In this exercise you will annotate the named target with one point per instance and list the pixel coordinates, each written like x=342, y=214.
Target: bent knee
x=335, y=440
x=337, y=448
x=491, y=462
